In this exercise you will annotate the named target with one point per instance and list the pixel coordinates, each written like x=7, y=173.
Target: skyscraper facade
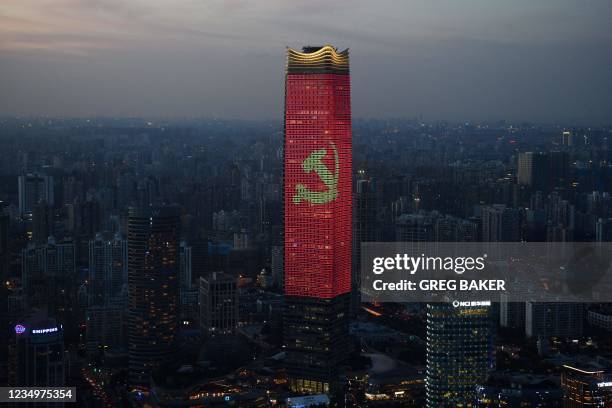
x=32, y=189
x=37, y=355
x=218, y=296
x=153, y=279
x=318, y=215
x=459, y=353
x=107, y=269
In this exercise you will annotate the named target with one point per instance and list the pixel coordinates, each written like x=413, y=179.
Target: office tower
x=568, y=139
x=153, y=275
x=364, y=230
x=554, y=319
x=585, y=387
x=42, y=222
x=86, y=217
x=560, y=219
x=317, y=216
x=47, y=273
x=500, y=224
x=511, y=314
x=459, y=353
x=189, y=310
x=218, y=296
x=453, y=229
x=533, y=170
x=185, y=275
x=108, y=265
x=37, y=355
x=104, y=327
x=558, y=169
x=33, y=188
x=603, y=230
x=417, y=227
x=277, y=266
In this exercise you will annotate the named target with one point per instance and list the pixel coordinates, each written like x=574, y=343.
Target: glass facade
x=153, y=268
x=459, y=353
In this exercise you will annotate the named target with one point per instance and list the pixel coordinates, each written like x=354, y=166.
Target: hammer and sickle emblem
x=314, y=163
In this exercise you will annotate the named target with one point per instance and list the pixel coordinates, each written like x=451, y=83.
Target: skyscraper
x=459, y=353
x=585, y=387
x=218, y=295
x=364, y=229
x=317, y=217
x=37, y=354
x=32, y=189
x=153, y=279
x=47, y=273
x=107, y=269
x=500, y=223
x=533, y=170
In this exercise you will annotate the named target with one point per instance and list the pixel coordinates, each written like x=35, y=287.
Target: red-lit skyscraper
x=318, y=215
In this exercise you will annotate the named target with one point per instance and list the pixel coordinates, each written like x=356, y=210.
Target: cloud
x=225, y=57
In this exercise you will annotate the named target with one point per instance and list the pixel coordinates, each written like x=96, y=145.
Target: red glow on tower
x=318, y=174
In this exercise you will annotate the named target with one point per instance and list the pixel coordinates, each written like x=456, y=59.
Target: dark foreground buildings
x=153, y=265
x=317, y=195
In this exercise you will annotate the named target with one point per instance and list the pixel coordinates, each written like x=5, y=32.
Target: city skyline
x=191, y=215
x=476, y=61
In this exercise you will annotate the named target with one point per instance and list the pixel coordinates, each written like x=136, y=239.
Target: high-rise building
x=104, y=327
x=459, y=353
x=585, y=387
x=551, y=319
x=219, y=306
x=500, y=224
x=107, y=269
x=364, y=229
x=276, y=266
x=568, y=138
x=47, y=273
x=317, y=216
x=42, y=222
x=153, y=279
x=185, y=275
x=33, y=188
x=37, y=355
x=533, y=170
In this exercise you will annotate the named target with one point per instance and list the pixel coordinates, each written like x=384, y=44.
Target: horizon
x=479, y=61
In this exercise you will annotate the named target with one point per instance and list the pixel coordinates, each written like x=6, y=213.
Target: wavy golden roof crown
x=317, y=60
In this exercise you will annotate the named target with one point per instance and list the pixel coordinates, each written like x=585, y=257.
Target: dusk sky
x=544, y=60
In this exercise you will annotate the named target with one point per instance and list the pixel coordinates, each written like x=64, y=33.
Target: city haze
x=474, y=60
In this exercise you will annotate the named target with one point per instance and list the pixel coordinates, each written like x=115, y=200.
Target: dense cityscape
x=146, y=263
x=305, y=204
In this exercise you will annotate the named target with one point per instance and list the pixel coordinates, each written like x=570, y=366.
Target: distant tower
x=153, y=276
x=317, y=216
x=33, y=188
x=47, y=271
x=533, y=170
x=38, y=354
x=107, y=269
x=500, y=224
x=185, y=276
x=42, y=222
x=364, y=230
x=554, y=319
x=459, y=353
x=218, y=304
x=568, y=139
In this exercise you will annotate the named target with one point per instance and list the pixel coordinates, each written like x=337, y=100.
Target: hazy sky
x=541, y=60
